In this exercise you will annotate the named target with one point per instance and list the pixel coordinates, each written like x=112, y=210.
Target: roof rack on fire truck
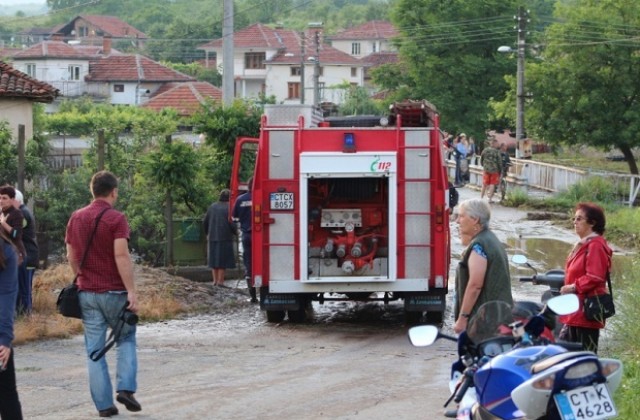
x=413, y=113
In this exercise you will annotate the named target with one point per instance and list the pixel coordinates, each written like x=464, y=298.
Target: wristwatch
x=465, y=315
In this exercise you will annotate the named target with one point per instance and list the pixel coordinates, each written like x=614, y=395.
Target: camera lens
x=130, y=318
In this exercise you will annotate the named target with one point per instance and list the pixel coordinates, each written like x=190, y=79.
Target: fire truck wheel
x=275, y=316
x=435, y=318
x=298, y=315
x=412, y=317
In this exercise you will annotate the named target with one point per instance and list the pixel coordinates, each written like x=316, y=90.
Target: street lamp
x=519, y=97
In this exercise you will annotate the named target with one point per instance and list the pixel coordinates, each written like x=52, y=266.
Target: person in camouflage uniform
x=491, y=161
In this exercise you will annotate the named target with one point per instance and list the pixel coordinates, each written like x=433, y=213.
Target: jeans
x=458, y=177
x=25, y=282
x=99, y=311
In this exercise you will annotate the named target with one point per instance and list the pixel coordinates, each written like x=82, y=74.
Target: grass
x=158, y=304
x=625, y=344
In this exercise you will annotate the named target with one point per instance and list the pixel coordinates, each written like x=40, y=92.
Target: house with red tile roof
x=129, y=79
x=90, y=29
x=18, y=92
x=60, y=64
x=270, y=61
x=370, y=37
x=185, y=97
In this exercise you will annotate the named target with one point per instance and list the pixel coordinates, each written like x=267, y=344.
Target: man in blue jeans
x=105, y=280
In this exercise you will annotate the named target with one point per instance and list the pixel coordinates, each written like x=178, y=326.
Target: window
x=355, y=48
x=375, y=47
x=293, y=90
x=118, y=88
x=354, y=71
x=83, y=31
x=295, y=71
x=31, y=70
x=74, y=72
x=254, y=60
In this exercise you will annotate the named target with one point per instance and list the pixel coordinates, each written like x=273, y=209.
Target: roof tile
x=186, y=98
x=16, y=84
x=132, y=68
x=375, y=29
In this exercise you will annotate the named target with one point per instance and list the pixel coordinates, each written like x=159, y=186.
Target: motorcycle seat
x=558, y=358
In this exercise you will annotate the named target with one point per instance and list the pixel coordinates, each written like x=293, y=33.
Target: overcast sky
x=18, y=2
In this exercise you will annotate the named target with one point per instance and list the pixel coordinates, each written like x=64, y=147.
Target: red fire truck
x=347, y=209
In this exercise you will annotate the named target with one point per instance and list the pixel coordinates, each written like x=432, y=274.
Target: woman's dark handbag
x=600, y=307
x=68, y=303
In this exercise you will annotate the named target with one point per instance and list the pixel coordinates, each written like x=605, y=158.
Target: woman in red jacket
x=586, y=273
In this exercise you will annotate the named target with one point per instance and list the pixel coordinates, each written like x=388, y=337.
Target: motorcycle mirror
x=423, y=335
x=564, y=304
x=519, y=259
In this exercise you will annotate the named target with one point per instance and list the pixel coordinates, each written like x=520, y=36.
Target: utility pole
x=521, y=20
x=316, y=72
x=227, y=54
x=302, y=54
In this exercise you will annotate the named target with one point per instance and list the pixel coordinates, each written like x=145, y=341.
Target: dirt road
x=351, y=361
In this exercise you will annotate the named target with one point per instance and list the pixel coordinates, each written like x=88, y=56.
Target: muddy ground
x=350, y=361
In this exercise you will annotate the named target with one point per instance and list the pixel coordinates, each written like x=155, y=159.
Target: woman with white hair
x=483, y=271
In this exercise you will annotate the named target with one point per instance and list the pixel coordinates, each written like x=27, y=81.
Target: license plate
x=281, y=201
x=588, y=403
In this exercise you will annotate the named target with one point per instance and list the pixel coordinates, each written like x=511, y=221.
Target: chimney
x=106, y=45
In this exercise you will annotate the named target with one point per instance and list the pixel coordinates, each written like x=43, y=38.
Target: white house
x=370, y=37
x=129, y=79
x=57, y=63
x=269, y=61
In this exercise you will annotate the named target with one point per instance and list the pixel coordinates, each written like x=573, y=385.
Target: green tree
x=358, y=102
x=450, y=51
x=586, y=88
x=222, y=126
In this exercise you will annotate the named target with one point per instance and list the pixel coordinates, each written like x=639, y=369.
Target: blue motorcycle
x=506, y=370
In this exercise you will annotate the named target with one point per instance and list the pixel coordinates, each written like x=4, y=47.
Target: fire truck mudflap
x=349, y=213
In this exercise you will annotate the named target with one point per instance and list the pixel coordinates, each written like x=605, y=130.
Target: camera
x=129, y=317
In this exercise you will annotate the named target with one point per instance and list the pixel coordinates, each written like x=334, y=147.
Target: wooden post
x=100, y=149
x=21, y=156
x=168, y=215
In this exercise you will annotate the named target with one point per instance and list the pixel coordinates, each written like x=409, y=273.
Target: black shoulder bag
x=599, y=307
x=68, y=302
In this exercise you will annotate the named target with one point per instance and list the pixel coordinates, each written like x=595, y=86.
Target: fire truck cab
x=347, y=209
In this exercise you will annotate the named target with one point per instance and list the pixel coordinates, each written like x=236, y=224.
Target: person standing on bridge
x=491, y=161
x=483, y=271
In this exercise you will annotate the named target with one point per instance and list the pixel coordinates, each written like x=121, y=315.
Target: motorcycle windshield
x=489, y=321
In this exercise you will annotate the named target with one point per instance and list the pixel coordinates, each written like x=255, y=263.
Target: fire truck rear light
x=439, y=214
x=349, y=143
x=257, y=214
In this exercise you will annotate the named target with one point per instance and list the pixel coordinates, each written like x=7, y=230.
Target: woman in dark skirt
x=220, y=234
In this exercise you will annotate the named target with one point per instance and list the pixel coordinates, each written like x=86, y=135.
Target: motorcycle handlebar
x=554, y=281
x=466, y=383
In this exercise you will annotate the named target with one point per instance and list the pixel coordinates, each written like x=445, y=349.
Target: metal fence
x=527, y=173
